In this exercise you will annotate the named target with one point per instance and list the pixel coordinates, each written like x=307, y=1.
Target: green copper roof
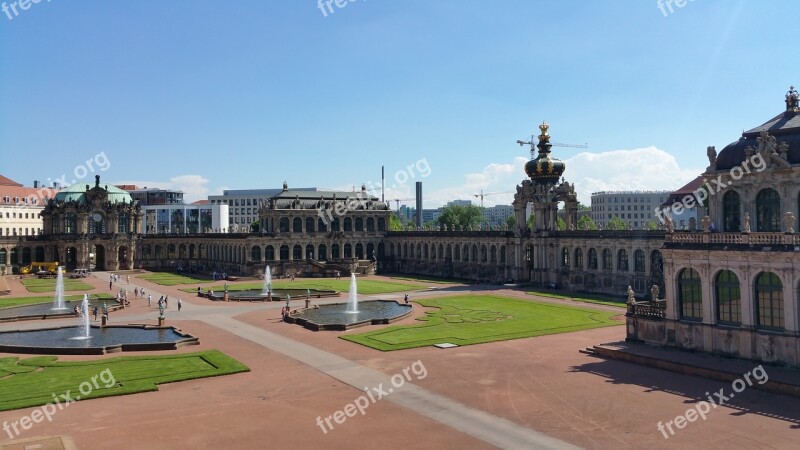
x=77, y=192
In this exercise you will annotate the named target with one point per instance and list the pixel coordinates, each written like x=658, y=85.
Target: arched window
x=348, y=251
x=381, y=224
x=359, y=251
x=269, y=253
x=638, y=260
x=309, y=251
x=728, y=297
x=768, y=210
x=370, y=251
x=322, y=252
x=690, y=295
x=769, y=301
x=370, y=224
x=335, y=224
x=297, y=225
x=457, y=253
x=484, y=255
x=578, y=258
x=3, y=254
x=466, y=253
x=284, y=252
x=359, y=224
x=283, y=225
x=146, y=253
x=322, y=226
x=591, y=262
x=70, y=223
x=255, y=253
x=182, y=251
x=608, y=263
x=622, y=260
x=731, y=207
x=335, y=251
x=348, y=224
x=170, y=251
x=297, y=252
x=122, y=223
x=310, y=224
x=493, y=254
x=565, y=257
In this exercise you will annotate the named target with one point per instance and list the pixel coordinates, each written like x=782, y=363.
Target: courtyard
x=526, y=392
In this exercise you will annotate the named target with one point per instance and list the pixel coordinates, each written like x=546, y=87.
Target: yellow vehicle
x=50, y=267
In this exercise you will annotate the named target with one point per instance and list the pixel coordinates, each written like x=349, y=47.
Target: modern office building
x=635, y=208
x=243, y=203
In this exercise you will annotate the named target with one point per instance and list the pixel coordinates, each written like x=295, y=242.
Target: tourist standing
x=166, y=301
x=94, y=311
x=149, y=299
x=405, y=298
x=180, y=303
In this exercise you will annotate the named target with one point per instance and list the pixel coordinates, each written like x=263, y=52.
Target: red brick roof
x=8, y=182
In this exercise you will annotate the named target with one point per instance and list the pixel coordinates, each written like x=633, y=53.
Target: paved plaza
x=527, y=393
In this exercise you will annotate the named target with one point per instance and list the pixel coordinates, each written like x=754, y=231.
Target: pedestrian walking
x=149, y=299
x=110, y=283
x=94, y=311
x=166, y=301
x=180, y=303
x=128, y=279
x=406, y=299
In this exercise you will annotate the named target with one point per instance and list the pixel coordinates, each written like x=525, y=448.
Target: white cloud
x=639, y=169
x=194, y=187
x=646, y=169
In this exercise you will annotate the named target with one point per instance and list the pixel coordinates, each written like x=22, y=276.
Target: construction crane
x=482, y=194
x=532, y=143
x=398, y=200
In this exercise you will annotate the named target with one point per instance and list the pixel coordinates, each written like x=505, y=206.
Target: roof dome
x=545, y=169
x=785, y=128
x=77, y=193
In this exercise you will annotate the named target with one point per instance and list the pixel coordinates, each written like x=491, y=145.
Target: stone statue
x=711, y=152
x=654, y=291
x=783, y=150
x=788, y=222
x=631, y=296
x=669, y=225
x=792, y=100
x=706, y=222
x=746, y=222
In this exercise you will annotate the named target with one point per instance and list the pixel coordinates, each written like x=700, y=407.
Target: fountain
x=267, y=281
x=352, y=296
x=343, y=316
x=58, y=300
x=85, y=328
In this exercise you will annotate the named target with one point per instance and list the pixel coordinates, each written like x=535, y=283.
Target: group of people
x=218, y=275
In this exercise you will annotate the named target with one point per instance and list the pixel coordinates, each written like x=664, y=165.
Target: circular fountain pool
x=338, y=316
x=46, y=311
x=64, y=341
x=277, y=295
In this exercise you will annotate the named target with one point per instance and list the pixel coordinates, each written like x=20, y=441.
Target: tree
x=463, y=216
x=651, y=225
x=582, y=207
x=560, y=224
x=394, y=223
x=511, y=221
x=254, y=227
x=532, y=221
x=616, y=224
x=586, y=223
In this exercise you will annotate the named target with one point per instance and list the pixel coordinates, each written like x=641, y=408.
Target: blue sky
x=208, y=95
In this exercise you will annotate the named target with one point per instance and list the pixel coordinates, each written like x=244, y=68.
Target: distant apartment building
x=635, y=208
x=498, y=214
x=20, y=207
x=243, y=204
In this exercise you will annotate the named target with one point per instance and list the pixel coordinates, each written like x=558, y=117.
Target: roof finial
x=544, y=137
x=97, y=181
x=792, y=100
x=285, y=186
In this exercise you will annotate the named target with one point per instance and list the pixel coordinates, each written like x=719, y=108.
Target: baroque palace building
x=736, y=291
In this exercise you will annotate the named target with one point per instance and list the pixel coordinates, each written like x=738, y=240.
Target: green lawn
x=585, y=298
x=475, y=319
x=33, y=381
x=172, y=279
x=423, y=279
x=366, y=287
x=49, y=285
x=22, y=301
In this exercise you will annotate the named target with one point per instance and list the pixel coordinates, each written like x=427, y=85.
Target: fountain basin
x=335, y=317
x=277, y=295
x=109, y=339
x=46, y=311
